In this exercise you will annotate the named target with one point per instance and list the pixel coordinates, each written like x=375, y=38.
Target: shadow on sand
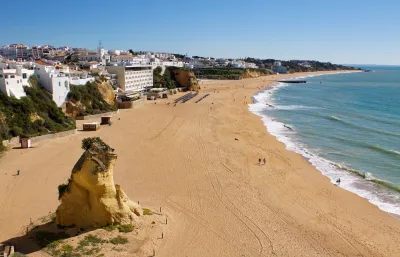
x=42, y=237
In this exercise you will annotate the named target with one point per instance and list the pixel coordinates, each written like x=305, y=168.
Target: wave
x=383, y=150
x=369, y=177
x=381, y=193
x=293, y=107
x=362, y=144
x=378, y=131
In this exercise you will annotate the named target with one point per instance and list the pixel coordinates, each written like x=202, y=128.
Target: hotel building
x=133, y=78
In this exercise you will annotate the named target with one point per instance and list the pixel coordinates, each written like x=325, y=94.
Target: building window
x=24, y=75
x=59, y=83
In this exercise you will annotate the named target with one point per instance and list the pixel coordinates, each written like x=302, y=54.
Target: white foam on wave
x=328, y=168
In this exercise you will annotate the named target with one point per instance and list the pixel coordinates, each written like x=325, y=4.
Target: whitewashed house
x=13, y=79
x=52, y=80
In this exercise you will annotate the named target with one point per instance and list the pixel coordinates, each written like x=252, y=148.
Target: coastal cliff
x=186, y=78
x=91, y=199
x=173, y=77
x=254, y=73
x=107, y=92
x=92, y=98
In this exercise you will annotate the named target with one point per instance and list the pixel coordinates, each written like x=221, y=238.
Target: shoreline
x=198, y=161
x=322, y=164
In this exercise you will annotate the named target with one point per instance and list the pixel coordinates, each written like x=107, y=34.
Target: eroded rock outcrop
x=186, y=78
x=107, y=92
x=91, y=199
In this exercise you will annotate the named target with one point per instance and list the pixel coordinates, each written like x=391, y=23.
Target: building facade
x=133, y=78
x=53, y=81
x=278, y=68
x=13, y=79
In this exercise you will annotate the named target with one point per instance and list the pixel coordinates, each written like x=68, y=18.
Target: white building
x=136, y=78
x=13, y=78
x=14, y=51
x=278, y=68
x=53, y=81
x=238, y=64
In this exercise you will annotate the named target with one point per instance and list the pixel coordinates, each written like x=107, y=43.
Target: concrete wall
x=53, y=136
x=15, y=140
x=80, y=82
x=88, y=117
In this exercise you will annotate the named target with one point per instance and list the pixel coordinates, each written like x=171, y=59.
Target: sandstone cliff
x=248, y=73
x=92, y=98
x=107, y=92
x=91, y=199
x=186, y=78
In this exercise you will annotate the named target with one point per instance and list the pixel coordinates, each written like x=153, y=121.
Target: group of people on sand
x=264, y=161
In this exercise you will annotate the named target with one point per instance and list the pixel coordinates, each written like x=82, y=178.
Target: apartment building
x=13, y=79
x=136, y=78
x=54, y=81
x=14, y=51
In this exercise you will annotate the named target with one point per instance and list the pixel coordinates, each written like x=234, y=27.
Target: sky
x=343, y=32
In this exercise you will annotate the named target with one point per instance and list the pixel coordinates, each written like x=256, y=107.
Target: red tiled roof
x=44, y=63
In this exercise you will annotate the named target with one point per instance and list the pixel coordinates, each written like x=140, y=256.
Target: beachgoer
x=259, y=161
x=265, y=161
x=338, y=181
x=18, y=171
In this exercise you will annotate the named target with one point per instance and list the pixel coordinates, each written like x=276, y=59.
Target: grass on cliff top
x=92, y=240
x=121, y=228
x=119, y=240
x=147, y=212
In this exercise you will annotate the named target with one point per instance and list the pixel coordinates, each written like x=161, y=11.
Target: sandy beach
x=218, y=199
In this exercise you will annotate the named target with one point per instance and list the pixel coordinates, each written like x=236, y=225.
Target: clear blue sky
x=351, y=31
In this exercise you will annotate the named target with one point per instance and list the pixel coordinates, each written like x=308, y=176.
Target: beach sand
x=218, y=200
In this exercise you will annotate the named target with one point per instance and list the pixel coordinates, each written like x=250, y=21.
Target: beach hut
x=105, y=120
x=26, y=142
x=91, y=126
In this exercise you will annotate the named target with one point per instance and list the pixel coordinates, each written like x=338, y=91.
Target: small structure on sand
x=105, y=120
x=25, y=142
x=91, y=126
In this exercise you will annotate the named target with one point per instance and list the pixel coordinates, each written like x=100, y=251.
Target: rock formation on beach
x=187, y=79
x=91, y=199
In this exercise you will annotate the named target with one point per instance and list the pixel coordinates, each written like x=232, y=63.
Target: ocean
x=347, y=125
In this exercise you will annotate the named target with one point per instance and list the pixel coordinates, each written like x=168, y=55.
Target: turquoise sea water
x=347, y=125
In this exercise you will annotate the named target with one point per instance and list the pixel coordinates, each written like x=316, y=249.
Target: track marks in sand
x=228, y=204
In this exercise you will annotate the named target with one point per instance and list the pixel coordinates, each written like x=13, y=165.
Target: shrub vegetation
x=34, y=115
x=90, y=97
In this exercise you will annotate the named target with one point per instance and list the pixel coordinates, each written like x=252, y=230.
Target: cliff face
x=92, y=98
x=107, y=92
x=252, y=74
x=91, y=199
x=187, y=79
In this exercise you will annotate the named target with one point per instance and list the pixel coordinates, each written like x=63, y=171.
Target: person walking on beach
x=259, y=161
x=265, y=161
x=18, y=171
x=338, y=181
